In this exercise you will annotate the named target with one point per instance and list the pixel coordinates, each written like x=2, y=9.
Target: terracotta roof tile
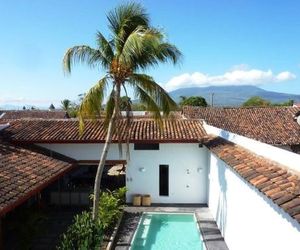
x=272, y=125
x=67, y=131
x=271, y=178
x=23, y=173
x=27, y=114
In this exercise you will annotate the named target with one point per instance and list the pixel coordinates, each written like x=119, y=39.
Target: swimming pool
x=164, y=231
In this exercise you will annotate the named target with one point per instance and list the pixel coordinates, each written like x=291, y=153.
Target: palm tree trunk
x=101, y=166
x=110, y=131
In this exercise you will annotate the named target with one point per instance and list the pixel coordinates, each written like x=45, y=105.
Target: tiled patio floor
x=210, y=233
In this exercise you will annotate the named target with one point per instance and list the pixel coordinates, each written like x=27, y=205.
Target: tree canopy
x=133, y=46
x=51, y=107
x=66, y=104
x=257, y=101
x=193, y=101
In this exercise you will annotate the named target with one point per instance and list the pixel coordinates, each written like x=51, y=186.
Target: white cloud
x=242, y=66
x=285, y=76
x=239, y=75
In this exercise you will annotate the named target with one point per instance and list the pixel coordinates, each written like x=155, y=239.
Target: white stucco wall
x=289, y=159
x=247, y=219
x=183, y=187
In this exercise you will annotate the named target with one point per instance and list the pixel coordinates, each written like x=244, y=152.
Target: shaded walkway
x=58, y=220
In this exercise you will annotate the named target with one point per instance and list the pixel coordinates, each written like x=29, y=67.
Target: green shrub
x=87, y=234
x=110, y=207
x=121, y=194
x=84, y=234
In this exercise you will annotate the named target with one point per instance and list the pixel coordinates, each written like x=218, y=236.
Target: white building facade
x=186, y=164
x=178, y=170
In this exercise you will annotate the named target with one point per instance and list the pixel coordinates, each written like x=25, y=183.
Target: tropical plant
x=193, y=101
x=66, y=104
x=133, y=46
x=110, y=207
x=84, y=234
x=126, y=103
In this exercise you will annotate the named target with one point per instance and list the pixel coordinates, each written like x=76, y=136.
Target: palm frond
x=161, y=98
x=146, y=47
x=105, y=49
x=90, y=106
x=80, y=54
x=167, y=51
x=148, y=102
x=138, y=47
x=146, y=99
x=109, y=107
x=124, y=19
x=65, y=104
x=112, y=108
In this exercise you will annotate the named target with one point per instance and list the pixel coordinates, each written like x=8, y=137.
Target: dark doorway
x=164, y=180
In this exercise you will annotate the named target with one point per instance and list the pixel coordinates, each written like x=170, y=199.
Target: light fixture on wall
x=142, y=169
x=187, y=171
x=199, y=170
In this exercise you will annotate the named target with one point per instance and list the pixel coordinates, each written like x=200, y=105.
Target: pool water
x=162, y=231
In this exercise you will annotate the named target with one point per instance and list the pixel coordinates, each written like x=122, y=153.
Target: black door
x=164, y=180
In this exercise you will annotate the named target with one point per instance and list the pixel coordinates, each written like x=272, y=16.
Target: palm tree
x=126, y=103
x=66, y=104
x=133, y=46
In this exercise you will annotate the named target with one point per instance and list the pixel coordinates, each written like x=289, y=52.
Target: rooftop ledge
x=287, y=159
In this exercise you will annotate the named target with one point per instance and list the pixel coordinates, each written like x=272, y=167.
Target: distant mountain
x=232, y=95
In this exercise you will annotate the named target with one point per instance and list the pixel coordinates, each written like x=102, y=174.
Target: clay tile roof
x=272, y=125
x=270, y=178
x=24, y=173
x=67, y=131
x=27, y=114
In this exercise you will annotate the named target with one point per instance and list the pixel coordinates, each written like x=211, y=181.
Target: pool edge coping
x=204, y=219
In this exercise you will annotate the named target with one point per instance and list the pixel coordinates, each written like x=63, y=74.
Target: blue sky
x=239, y=42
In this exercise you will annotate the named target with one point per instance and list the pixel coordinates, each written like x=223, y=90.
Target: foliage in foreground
x=86, y=233
x=83, y=234
x=110, y=207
